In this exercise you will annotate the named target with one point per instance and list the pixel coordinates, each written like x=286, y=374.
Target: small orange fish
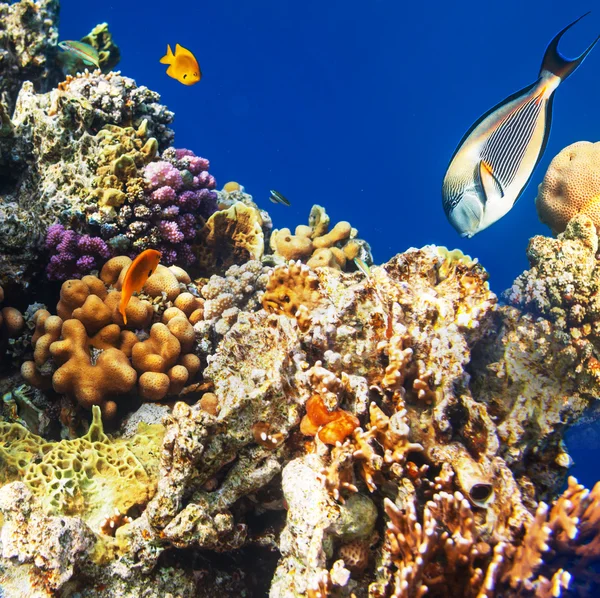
x=136, y=276
x=183, y=65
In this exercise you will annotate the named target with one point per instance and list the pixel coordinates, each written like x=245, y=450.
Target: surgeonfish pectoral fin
x=490, y=184
x=168, y=57
x=556, y=63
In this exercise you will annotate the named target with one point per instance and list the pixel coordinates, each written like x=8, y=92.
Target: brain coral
x=571, y=186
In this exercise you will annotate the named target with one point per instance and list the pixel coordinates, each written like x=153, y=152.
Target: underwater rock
x=28, y=38
x=54, y=144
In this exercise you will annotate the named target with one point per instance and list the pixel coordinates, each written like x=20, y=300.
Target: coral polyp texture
x=571, y=186
x=278, y=415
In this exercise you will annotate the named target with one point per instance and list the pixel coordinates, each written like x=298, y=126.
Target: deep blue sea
x=358, y=106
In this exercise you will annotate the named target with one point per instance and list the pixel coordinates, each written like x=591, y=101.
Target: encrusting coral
x=571, y=186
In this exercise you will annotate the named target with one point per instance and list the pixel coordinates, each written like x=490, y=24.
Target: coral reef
x=28, y=37
x=318, y=245
x=280, y=423
x=353, y=408
x=54, y=144
x=571, y=186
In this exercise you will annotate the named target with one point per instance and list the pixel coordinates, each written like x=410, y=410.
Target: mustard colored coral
x=571, y=186
x=91, y=476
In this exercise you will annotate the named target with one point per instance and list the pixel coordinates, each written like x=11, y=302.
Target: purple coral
x=178, y=199
x=73, y=255
x=162, y=174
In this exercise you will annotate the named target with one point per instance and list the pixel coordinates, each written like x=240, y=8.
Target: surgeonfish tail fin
x=168, y=57
x=556, y=63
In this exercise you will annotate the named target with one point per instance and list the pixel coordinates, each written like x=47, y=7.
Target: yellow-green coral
x=91, y=477
x=124, y=150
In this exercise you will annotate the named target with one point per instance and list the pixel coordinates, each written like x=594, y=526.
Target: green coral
x=101, y=40
x=124, y=150
x=91, y=477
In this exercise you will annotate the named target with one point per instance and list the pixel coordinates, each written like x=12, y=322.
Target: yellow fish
x=183, y=65
x=496, y=158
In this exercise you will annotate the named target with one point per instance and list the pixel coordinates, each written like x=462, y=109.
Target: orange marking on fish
x=136, y=276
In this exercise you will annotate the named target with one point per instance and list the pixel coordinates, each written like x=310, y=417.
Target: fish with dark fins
x=277, y=197
x=497, y=156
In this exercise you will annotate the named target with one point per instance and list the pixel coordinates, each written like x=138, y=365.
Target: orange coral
x=91, y=333
x=318, y=246
x=90, y=383
x=330, y=427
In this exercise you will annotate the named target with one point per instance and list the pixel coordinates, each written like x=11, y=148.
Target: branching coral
x=73, y=255
x=176, y=201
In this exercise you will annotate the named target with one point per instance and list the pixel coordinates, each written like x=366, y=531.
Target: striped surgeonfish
x=496, y=157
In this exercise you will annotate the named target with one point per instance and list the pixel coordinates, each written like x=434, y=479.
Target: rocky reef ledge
x=381, y=435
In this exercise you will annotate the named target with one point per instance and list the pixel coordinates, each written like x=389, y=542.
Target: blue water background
x=358, y=106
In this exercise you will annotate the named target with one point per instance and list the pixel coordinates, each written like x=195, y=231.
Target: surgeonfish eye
x=185, y=76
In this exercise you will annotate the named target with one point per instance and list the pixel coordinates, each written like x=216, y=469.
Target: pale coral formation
x=230, y=237
x=318, y=245
x=571, y=186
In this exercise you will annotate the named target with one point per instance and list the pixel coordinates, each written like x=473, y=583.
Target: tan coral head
x=571, y=186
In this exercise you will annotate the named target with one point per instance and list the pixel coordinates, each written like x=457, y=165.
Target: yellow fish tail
x=169, y=57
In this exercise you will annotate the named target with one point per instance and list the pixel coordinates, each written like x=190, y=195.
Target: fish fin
x=122, y=309
x=181, y=51
x=556, y=63
x=169, y=57
x=172, y=71
x=489, y=182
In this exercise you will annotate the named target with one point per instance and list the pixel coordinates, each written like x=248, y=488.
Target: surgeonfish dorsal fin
x=489, y=183
x=556, y=63
x=169, y=57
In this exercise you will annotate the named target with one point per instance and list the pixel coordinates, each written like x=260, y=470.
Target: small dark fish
x=276, y=197
x=81, y=50
x=496, y=158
